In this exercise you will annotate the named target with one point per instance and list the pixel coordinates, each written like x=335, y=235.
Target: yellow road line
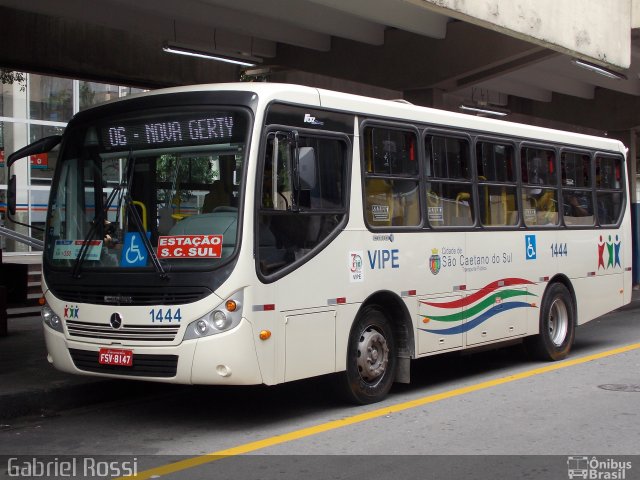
x=363, y=417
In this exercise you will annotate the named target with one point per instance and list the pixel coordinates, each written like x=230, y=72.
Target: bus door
x=302, y=208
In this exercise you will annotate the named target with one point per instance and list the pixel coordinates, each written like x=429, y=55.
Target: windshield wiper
x=128, y=202
x=97, y=221
x=100, y=218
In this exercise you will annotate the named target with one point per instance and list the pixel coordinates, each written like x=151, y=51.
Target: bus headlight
x=51, y=319
x=220, y=320
x=224, y=317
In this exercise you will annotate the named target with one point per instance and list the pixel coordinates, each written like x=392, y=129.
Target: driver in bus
x=217, y=196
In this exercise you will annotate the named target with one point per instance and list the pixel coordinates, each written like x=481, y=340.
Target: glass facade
x=39, y=107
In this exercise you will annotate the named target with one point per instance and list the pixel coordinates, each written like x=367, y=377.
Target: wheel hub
x=373, y=355
x=558, y=322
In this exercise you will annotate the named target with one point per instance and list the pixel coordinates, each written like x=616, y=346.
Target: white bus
x=263, y=233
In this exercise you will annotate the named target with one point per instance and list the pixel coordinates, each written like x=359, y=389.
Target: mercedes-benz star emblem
x=116, y=320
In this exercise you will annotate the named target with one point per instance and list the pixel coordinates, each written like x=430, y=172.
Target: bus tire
x=557, y=325
x=371, y=357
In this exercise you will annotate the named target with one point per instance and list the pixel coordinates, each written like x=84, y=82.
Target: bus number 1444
x=559, y=250
x=167, y=315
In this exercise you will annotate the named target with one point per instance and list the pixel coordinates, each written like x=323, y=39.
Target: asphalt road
x=494, y=414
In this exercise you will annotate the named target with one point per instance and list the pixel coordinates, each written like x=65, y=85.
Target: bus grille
x=143, y=365
x=142, y=333
x=131, y=296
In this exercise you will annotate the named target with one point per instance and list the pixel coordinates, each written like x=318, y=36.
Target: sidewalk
x=30, y=386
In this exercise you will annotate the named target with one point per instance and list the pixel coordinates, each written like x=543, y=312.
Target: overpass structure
x=518, y=54
x=573, y=64
x=522, y=55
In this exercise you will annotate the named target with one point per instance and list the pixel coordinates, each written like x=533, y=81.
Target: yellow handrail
x=144, y=213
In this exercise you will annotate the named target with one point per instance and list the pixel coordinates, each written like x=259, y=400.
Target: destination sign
x=215, y=127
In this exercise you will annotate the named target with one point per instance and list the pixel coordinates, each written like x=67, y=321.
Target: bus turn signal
x=265, y=335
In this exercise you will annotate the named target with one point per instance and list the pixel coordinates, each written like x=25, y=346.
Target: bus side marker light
x=534, y=305
x=425, y=320
x=265, y=335
x=231, y=305
x=41, y=301
x=337, y=301
x=264, y=308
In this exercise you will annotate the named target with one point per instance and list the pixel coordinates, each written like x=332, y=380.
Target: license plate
x=109, y=356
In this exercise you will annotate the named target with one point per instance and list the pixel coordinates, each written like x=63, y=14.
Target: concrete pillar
x=16, y=137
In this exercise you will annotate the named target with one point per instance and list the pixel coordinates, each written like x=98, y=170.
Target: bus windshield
x=149, y=191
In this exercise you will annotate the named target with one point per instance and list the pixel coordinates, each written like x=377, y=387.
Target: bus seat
x=434, y=208
x=501, y=209
x=165, y=219
x=223, y=223
x=379, y=196
x=217, y=196
x=462, y=210
x=411, y=204
x=546, y=211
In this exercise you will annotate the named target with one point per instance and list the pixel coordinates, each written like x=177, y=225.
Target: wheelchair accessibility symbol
x=133, y=252
x=530, y=242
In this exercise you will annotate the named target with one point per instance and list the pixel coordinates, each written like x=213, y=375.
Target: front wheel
x=371, y=357
x=557, y=325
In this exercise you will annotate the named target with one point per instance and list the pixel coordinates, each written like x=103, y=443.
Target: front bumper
x=227, y=358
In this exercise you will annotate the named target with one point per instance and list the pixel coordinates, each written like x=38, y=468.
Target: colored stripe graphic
x=465, y=327
x=486, y=290
x=487, y=302
x=487, y=305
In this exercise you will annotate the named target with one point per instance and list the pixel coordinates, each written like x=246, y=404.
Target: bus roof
x=391, y=109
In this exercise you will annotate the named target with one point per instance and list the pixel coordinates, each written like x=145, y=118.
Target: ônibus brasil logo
x=579, y=466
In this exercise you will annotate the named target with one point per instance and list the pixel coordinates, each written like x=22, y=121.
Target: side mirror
x=44, y=145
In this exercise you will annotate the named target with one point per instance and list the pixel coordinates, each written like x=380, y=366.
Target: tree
x=179, y=172
x=9, y=77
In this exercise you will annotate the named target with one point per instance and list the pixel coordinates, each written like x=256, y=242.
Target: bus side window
x=577, y=193
x=496, y=184
x=391, y=177
x=609, y=189
x=449, y=188
x=540, y=190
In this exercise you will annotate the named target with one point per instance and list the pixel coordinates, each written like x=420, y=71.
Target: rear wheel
x=557, y=325
x=371, y=357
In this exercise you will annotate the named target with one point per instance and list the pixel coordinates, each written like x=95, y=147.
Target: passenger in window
x=579, y=204
x=535, y=177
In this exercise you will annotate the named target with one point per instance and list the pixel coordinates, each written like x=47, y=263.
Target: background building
x=31, y=109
